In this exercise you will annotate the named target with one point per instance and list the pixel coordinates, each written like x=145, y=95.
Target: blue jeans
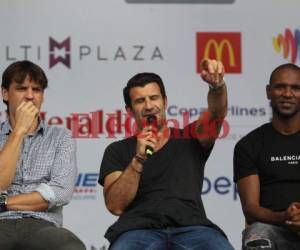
x=180, y=238
x=269, y=237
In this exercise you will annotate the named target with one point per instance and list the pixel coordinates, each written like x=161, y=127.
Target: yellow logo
x=218, y=48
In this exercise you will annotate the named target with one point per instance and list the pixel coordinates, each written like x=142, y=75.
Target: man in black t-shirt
x=267, y=169
x=153, y=180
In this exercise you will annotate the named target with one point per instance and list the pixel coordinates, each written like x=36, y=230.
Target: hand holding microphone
x=146, y=141
x=151, y=120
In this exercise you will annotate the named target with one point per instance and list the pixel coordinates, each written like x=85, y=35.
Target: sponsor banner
x=287, y=44
x=64, y=53
x=89, y=58
x=223, y=46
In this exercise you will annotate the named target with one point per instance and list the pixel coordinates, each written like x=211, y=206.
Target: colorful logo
x=223, y=46
x=86, y=186
x=55, y=51
x=288, y=43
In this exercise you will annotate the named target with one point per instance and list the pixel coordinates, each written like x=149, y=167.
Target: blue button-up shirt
x=47, y=164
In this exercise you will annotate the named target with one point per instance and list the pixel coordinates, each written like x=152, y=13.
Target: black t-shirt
x=275, y=158
x=169, y=193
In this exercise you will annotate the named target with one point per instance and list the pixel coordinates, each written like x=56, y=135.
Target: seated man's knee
x=258, y=243
x=50, y=238
x=70, y=241
x=259, y=236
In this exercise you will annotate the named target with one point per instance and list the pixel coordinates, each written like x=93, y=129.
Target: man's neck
x=286, y=126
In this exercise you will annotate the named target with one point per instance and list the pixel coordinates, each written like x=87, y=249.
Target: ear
x=4, y=93
x=129, y=110
x=268, y=91
x=165, y=102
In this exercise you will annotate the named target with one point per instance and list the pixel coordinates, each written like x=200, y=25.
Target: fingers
x=146, y=138
x=293, y=216
x=212, y=71
x=25, y=115
x=296, y=205
x=293, y=210
x=295, y=225
x=212, y=66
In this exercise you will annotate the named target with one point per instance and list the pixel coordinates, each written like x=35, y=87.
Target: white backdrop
x=109, y=41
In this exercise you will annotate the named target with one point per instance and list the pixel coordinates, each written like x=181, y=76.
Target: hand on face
x=212, y=72
x=25, y=116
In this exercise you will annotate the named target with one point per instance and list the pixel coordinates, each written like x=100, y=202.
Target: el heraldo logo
x=223, y=46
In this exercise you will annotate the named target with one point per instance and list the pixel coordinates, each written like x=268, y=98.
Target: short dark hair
x=18, y=71
x=289, y=66
x=140, y=80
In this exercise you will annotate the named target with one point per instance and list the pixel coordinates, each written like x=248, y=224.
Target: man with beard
x=153, y=180
x=267, y=168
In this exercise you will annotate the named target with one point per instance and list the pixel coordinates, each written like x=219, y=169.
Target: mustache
x=152, y=112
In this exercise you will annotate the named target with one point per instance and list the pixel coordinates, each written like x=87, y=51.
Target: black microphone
x=151, y=120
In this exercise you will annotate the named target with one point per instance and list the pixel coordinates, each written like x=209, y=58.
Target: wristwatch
x=3, y=202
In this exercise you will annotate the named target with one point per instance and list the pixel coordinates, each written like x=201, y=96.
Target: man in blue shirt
x=37, y=167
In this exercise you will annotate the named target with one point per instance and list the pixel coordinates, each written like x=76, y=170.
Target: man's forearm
x=261, y=214
x=9, y=156
x=122, y=192
x=27, y=202
x=217, y=102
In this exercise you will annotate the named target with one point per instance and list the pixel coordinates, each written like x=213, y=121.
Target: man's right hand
x=147, y=137
x=25, y=116
x=292, y=215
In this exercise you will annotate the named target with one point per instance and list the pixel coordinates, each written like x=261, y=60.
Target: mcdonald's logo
x=225, y=47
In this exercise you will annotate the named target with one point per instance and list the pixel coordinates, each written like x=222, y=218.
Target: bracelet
x=216, y=87
x=140, y=159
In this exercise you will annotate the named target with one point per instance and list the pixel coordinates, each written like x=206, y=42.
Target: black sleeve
x=112, y=161
x=245, y=158
x=191, y=131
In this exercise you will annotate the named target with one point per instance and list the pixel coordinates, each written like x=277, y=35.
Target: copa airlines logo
x=60, y=52
x=223, y=46
x=288, y=44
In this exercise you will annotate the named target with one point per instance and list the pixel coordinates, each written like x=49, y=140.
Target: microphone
x=151, y=120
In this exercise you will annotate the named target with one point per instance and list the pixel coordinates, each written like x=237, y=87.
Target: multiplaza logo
x=287, y=43
x=223, y=46
x=61, y=52
x=53, y=58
